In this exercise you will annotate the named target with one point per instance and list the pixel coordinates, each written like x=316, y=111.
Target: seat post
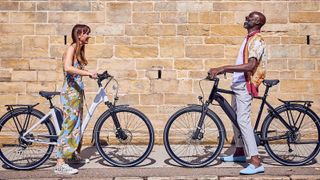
x=266, y=92
x=264, y=99
x=51, y=105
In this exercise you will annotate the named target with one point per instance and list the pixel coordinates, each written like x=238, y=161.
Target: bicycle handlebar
x=211, y=78
x=215, y=78
x=103, y=76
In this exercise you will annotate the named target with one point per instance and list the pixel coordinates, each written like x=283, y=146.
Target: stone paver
x=256, y=177
x=128, y=178
x=305, y=177
x=159, y=178
x=159, y=166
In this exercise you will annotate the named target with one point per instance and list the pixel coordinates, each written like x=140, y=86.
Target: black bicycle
x=194, y=136
x=124, y=136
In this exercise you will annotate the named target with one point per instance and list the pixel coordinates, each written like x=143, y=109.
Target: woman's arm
x=68, y=67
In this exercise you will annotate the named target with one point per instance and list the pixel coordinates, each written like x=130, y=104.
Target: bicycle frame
x=52, y=114
x=226, y=107
x=100, y=97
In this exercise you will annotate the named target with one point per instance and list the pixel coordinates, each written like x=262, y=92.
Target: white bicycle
x=123, y=135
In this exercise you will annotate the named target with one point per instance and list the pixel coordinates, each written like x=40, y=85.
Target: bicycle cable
x=201, y=87
x=117, y=89
x=116, y=94
x=85, y=101
x=114, y=88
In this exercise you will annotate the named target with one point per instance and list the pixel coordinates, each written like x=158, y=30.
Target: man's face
x=251, y=21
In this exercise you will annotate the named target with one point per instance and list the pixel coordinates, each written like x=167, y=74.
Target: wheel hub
x=294, y=136
x=193, y=141
x=22, y=141
x=128, y=139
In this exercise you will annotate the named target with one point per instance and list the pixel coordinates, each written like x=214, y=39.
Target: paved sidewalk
x=159, y=166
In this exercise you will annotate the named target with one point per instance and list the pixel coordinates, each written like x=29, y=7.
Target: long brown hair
x=77, y=30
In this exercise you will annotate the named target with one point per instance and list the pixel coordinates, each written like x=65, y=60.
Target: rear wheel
x=30, y=151
x=298, y=145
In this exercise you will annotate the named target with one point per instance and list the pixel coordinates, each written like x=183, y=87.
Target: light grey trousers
x=241, y=103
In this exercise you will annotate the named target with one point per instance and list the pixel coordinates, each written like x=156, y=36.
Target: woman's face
x=84, y=38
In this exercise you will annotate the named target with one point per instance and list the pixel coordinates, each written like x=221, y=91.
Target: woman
x=72, y=92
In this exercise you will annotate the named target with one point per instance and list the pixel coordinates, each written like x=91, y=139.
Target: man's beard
x=247, y=24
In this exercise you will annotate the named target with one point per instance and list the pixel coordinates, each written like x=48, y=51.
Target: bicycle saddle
x=48, y=94
x=270, y=83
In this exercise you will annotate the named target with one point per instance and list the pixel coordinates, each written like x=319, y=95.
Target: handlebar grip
x=215, y=78
x=104, y=75
x=211, y=78
x=208, y=76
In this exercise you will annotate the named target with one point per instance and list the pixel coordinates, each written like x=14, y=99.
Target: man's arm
x=235, y=68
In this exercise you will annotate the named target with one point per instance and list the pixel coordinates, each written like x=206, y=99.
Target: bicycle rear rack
x=305, y=103
x=11, y=107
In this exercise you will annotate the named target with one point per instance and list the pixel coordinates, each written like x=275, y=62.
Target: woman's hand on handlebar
x=93, y=75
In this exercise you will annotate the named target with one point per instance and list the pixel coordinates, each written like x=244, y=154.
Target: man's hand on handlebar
x=213, y=72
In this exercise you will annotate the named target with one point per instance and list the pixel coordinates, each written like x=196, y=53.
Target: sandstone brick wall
x=132, y=39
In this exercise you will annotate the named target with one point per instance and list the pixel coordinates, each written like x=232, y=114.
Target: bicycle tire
x=170, y=136
x=23, y=147
x=112, y=148
x=300, y=140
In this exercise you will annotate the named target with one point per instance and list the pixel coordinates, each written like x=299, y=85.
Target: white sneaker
x=65, y=169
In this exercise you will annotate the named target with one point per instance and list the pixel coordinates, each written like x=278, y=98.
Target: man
x=248, y=73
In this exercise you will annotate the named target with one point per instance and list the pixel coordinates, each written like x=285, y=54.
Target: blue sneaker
x=251, y=169
x=232, y=158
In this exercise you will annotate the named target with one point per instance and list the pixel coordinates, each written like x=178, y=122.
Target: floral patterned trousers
x=70, y=137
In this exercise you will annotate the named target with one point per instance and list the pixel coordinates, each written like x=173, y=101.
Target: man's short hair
x=262, y=18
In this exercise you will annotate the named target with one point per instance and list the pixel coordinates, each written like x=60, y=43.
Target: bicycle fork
x=198, y=133
x=119, y=131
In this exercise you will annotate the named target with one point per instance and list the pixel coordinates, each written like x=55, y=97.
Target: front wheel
x=295, y=146
x=182, y=145
x=127, y=145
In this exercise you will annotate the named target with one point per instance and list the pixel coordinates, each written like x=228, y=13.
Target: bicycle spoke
x=177, y=148
x=180, y=131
